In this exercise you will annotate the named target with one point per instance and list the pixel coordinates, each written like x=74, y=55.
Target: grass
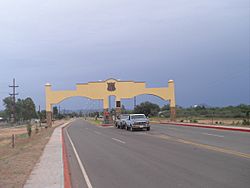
x=203, y=120
x=24, y=135
x=94, y=121
x=17, y=163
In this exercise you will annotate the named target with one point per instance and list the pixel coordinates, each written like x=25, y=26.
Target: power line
x=13, y=95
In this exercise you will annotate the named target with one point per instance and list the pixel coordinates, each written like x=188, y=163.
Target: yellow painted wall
x=98, y=90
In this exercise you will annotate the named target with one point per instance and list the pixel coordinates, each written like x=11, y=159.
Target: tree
x=20, y=109
x=3, y=115
x=8, y=104
x=165, y=107
x=147, y=108
x=29, y=109
x=25, y=109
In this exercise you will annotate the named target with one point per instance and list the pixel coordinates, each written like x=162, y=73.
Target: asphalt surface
x=166, y=156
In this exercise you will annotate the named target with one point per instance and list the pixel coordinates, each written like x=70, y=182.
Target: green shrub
x=29, y=129
x=193, y=121
x=245, y=122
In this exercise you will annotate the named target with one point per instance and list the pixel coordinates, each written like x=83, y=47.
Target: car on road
x=120, y=121
x=137, y=121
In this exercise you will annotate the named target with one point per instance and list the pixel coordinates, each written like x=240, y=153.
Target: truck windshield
x=138, y=117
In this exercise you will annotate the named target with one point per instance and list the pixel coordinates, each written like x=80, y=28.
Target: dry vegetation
x=206, y=121
x=17, y=163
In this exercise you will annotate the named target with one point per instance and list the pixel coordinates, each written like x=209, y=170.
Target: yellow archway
x=101, y=90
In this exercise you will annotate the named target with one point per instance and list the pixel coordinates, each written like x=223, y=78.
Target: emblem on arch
x=111, y=86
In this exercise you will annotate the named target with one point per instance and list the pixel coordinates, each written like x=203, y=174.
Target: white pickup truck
x=136, y=121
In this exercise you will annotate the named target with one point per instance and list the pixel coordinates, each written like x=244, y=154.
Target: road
x=166, y=156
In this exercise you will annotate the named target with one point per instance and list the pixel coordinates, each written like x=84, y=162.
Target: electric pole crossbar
x=13, y=95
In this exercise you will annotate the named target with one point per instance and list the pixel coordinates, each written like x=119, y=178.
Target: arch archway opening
x=77, y=107
x=128, y=105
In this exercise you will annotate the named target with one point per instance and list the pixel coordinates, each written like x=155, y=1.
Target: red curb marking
x=211, y=127
x=106, y=125
x=67, y=181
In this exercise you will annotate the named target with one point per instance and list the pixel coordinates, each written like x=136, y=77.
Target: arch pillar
x=106, y=114
x=49, y=117
x=49, y=113
x=171, y=88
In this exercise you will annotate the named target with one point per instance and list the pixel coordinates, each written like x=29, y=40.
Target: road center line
x=217, y=135
x=118, y=140
x=213, y=148
x=85, y=175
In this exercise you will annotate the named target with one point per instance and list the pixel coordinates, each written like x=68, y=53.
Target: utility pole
x=13, y=95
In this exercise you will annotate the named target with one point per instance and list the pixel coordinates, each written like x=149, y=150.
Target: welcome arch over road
x=101, y=90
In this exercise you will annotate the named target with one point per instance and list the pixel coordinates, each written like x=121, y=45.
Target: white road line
x=217, y=135
x=118, y=140
x=85, y=175
x=97, y=132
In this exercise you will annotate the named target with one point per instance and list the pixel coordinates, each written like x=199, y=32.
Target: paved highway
x=167, y=156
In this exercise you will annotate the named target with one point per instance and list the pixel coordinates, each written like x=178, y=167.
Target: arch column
x=49, y=113
x=49, y=116
x=172, y=100
x=106, y=114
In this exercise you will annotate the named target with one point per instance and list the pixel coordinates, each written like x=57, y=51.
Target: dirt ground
x=17, y=163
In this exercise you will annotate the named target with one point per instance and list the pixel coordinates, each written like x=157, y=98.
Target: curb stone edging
x=67, y=180
x=107, y=125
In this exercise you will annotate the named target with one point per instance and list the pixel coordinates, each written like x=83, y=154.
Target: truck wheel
x=148, y=128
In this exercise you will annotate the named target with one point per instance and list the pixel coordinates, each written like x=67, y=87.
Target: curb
x=107, y=125
x=209, y=127
x=67, y=180
x=49, y=169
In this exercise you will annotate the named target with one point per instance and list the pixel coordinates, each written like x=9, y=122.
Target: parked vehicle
x=120, y=121
x=137, y=121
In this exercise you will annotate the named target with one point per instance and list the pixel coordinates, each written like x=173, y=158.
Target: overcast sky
x=203, y=45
